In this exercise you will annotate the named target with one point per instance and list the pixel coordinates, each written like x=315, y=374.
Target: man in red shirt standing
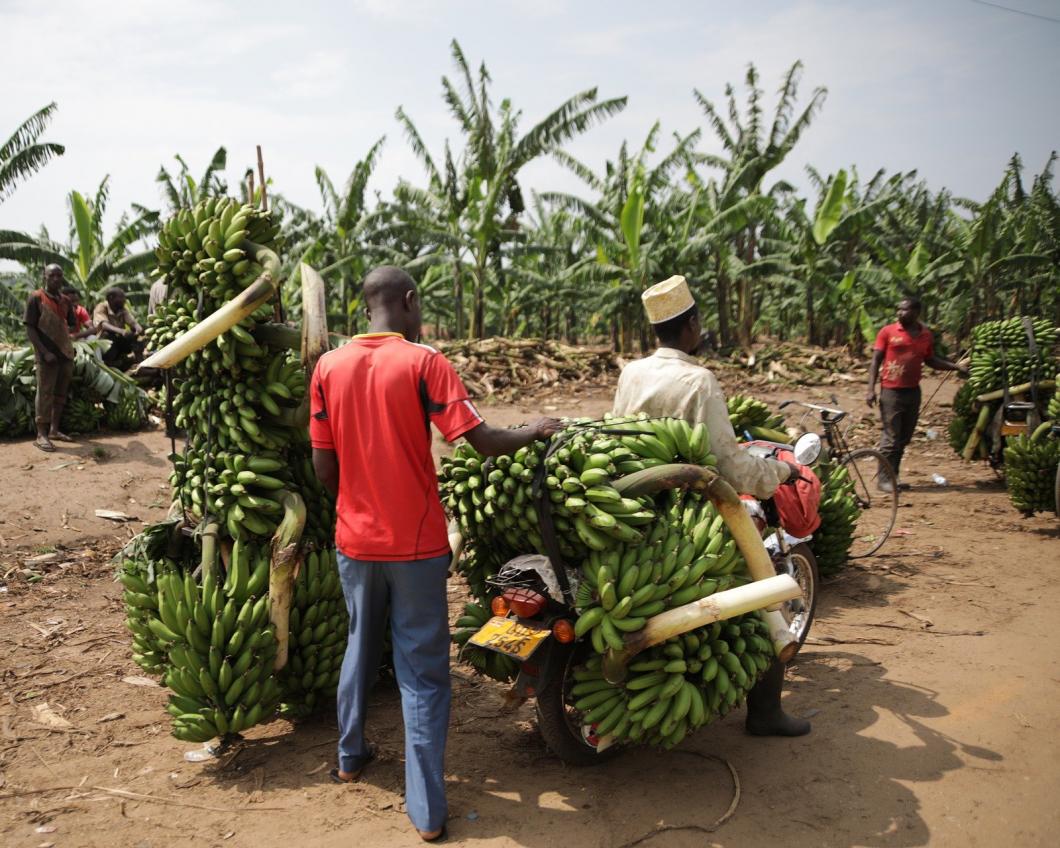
x=902, y=349
x=372, y=405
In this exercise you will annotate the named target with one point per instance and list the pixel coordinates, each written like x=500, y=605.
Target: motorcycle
x=533, y=612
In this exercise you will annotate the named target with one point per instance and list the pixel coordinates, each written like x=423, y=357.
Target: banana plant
x=24, y=154
x=182, y=191
x=90, y=260
x=475, y=203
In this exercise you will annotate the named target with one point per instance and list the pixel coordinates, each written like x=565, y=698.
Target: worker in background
x=157, y=296
x=373, y=402
x=84, y=328
x=115, y=322
x=50, y=320
x=672, y=383
x=900, y=352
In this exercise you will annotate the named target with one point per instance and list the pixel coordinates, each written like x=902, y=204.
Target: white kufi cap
x=667, y=299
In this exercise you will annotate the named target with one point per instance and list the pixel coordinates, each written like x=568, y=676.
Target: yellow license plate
x=511, y=637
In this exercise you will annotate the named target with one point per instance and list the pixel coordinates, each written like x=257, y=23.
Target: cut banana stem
x=286, y=558
x=717, y=607
x=315, y=341
x=980, y=427
x=1016, y=390
x=456, y=540
x=247, y=301
x=208, y=561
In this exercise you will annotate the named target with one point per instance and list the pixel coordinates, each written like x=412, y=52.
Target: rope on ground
x=700, y=828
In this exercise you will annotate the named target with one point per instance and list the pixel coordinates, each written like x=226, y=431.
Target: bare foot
x=44, y=444
x=59, y=436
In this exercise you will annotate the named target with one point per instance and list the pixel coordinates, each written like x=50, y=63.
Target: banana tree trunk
x=314, y=319
x=263, y=289
x=286, y=560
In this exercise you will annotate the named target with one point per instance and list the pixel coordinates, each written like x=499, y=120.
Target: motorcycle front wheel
x=558, y=721
x=799, y=613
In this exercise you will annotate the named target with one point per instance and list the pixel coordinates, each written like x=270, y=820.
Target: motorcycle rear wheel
x=557, y=720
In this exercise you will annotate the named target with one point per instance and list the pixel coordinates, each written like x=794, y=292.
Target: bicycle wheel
x=872, y=475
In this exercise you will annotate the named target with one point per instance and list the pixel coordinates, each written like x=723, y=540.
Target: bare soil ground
x=932, y=679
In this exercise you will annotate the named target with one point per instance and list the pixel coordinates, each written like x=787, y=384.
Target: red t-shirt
x=372, y=402
x=903, y=355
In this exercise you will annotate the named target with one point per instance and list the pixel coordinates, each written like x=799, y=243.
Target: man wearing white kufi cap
x=672, y=383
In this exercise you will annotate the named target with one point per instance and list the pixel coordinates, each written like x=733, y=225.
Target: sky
x=951, y=88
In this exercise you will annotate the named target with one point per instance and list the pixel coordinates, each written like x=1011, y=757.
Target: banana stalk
x=263, y=289
x=456, y=540
x=286, y=560
x=977, y=433
x=314, y=319
x=208, y=561
x=717, y=607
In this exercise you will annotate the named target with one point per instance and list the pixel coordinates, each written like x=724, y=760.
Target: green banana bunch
x=839, y=513
x=317, y=641
x=81, y=415
x=490, y=663
x=674, y=688
x=747, y=413
x=494, y=500
x=1001, y=353
x=240, y=403
x=1030, y=470
x=635, y=558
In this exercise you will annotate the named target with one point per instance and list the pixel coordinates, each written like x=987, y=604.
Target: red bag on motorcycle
x=798, y=503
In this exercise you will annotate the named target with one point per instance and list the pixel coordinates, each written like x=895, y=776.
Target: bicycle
x=870, y=472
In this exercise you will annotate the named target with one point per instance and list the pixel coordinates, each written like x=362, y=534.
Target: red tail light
x=525, y=603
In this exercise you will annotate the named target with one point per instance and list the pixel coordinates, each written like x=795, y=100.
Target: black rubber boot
x=765, y=716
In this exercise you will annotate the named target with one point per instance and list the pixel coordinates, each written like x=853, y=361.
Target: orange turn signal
x=563, y=630
x=499, y=606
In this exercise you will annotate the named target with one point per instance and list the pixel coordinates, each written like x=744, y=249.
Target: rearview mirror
x=807, y=449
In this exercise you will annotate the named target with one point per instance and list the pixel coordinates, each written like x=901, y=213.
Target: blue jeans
x=419, y=625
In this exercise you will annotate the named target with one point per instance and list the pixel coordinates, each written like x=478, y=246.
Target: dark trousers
x=123, y=351
x=53, y=382
x=899, y=410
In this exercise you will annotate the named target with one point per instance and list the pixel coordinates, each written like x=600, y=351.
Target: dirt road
x=932, y=680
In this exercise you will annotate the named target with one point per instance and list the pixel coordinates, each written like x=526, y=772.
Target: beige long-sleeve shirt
x=673, y=384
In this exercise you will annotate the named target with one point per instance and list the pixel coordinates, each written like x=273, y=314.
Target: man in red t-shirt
x=900, y=351
x=372, y=405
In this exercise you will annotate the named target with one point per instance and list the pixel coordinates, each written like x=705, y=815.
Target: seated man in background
x=84, y=328
x=116, y=323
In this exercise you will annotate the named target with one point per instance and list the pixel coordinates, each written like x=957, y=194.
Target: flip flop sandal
x=355, y=776
x=47, y=447
x=441, y=837
x=62, y=437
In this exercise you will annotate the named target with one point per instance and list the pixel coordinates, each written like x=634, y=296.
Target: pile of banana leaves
x=99, y=397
